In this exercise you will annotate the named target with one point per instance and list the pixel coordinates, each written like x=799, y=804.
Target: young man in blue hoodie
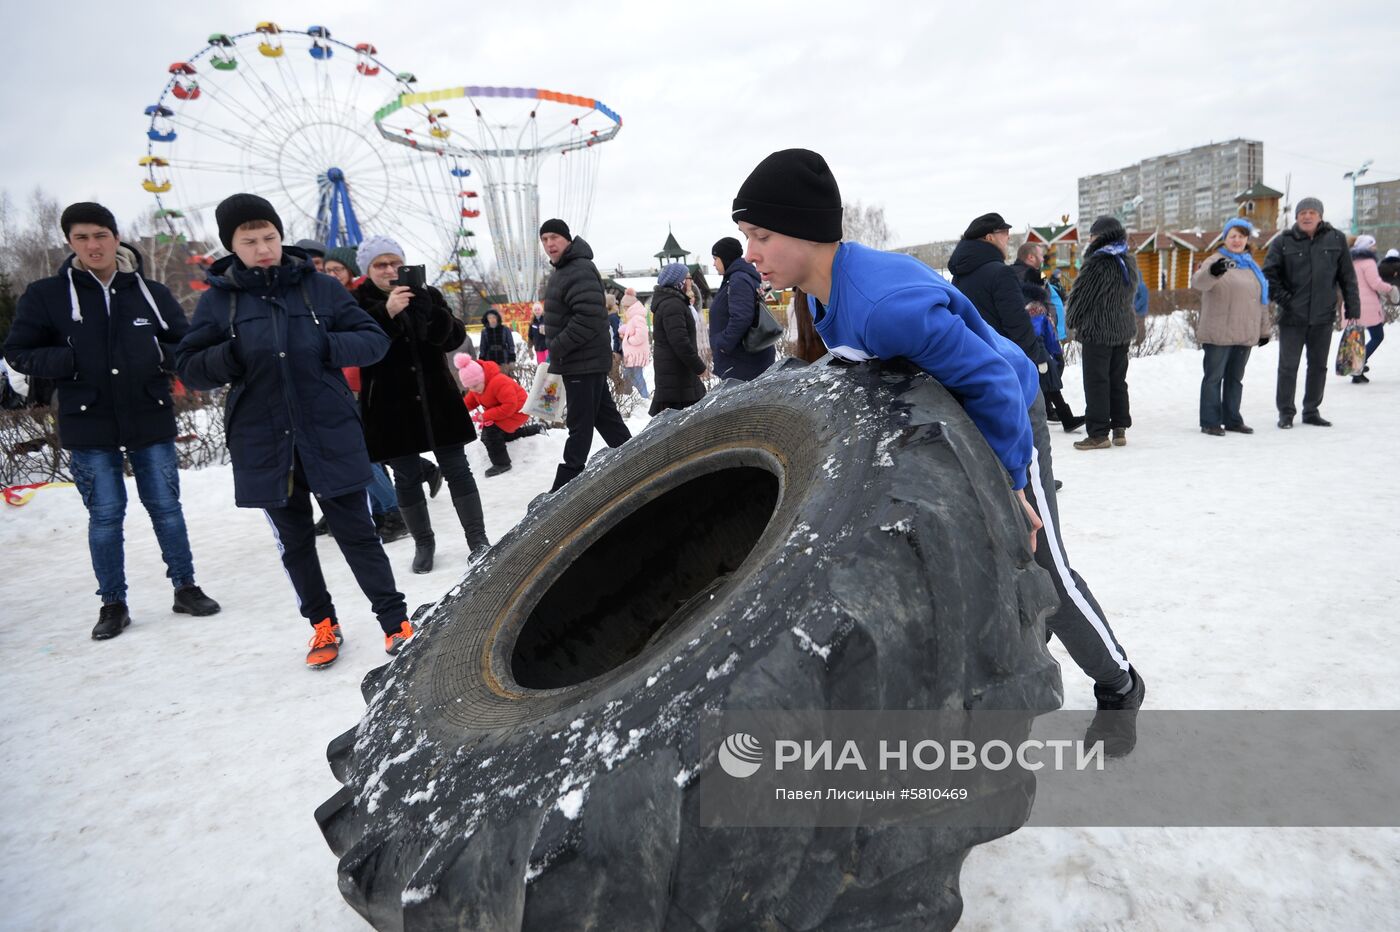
x=868, y=304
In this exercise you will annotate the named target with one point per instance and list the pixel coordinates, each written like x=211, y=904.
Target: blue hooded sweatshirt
x=886, y=306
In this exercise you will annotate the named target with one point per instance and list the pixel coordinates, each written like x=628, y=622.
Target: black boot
x=1115, y=723
x=321, y=527
x=563, y=475
x=473, y=523
x=390, y=526
x=421, y=527
x=497, y=470
x=110, y=621
x=1072, y=423
x=191, y=600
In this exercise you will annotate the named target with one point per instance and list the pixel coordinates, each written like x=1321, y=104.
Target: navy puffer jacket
x=110, y=354
x=732, y=314
x=293, y=330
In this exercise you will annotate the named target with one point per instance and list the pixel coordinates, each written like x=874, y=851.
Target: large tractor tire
x=827, y=537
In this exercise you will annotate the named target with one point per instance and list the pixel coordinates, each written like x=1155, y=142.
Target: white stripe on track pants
x=1079, y=623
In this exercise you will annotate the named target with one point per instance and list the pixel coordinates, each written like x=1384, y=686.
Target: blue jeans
x=1377, y=334
x=637, y=377
x=1222, y=386
x=98, y=476
x=381, y=490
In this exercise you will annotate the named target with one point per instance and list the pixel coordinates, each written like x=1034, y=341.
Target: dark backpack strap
x=306, y=297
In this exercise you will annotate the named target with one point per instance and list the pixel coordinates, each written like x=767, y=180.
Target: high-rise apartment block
x=1178, y=191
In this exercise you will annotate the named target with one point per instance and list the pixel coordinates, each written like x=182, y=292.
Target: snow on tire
x=827, y=537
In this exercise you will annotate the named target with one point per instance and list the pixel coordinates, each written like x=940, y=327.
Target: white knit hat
x=373, y=247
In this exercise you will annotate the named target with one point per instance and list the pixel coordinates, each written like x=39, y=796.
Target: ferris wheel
x=289, y=115
x=508, y=134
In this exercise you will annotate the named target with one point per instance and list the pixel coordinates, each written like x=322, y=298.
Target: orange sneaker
x=393, y=643
x=325, y=644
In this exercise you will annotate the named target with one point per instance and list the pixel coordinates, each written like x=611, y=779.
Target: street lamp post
x=1353, y=177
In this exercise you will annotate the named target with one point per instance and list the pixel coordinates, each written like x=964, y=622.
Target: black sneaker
x=1359, y=380
x=191, y=600
x=1115, y=723
x=1316, y=420
x=497, y=470
x=1240, y=428
x=110, y=621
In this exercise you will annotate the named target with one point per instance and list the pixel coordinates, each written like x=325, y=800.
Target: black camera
x=412, y=276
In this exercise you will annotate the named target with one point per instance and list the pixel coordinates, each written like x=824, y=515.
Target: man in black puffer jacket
x=107, y=338
x=580, y=347
x=980, y=272
x=1307, y=265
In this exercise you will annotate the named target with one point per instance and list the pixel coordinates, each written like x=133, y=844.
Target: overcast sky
x=938, y=115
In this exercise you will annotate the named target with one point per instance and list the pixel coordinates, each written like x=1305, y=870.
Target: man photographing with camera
x=410, y=399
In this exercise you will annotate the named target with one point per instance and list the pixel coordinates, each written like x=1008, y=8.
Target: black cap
x=1108, y=227
x=727, y=250
x=312, y=247
x=556, y=225
x=239, y=209
x=87, y=212
x=985, y=225
x=792, y=192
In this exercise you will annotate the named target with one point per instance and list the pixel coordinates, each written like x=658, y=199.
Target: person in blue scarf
x=1234, y=318
x=1100, y=311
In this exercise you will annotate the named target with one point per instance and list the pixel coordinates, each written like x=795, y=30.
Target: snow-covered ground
x=167, y=779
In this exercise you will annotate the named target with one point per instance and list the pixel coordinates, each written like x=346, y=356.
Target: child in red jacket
x=500, y=397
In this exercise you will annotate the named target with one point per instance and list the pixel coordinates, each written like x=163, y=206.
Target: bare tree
x=865, y=225
x=30, y=242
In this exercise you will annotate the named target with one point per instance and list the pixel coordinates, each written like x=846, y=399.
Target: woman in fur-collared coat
x=1100, y=311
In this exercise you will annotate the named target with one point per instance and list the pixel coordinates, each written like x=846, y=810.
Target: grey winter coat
x=1100, y=308
x=1231, y=313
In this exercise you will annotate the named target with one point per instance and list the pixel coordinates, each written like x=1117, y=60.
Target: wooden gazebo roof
x=672, y=249
x=1257, y=191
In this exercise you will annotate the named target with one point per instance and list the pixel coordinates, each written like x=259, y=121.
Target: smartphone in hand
x=412, y=276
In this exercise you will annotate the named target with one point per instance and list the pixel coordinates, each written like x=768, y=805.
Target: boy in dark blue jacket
x=1051, y=385
x=876, y=305
x=281, y=332
x=107, y=337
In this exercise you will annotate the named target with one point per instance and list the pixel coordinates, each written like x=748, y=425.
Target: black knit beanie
x=1108, y=228
x=556, y=225
x=727, y=250
x=792, y=192
x=239, y=209
x=87, y=212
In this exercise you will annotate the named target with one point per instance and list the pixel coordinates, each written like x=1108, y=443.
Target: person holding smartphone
x=410, y=400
